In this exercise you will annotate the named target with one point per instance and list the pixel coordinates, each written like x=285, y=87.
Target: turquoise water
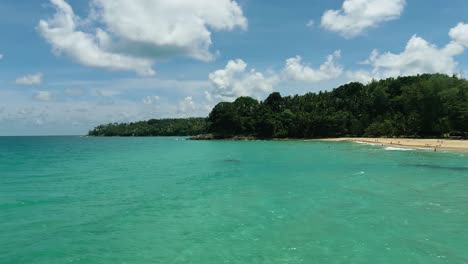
x=167, y=200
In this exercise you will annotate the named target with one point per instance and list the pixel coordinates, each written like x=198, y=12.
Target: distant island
x=422, y=106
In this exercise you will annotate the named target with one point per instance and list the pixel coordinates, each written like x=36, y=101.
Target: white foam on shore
x=398, y=149
x=367, y=143
x=392, y=147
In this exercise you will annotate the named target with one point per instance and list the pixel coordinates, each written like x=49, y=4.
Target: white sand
x=437, y=144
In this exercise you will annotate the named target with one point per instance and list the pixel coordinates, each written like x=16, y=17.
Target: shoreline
x=412, y=143
x=434, y=144
x=452, y=145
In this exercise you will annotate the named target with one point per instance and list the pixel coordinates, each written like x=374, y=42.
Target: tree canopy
x=429, y=105
x=154, y=127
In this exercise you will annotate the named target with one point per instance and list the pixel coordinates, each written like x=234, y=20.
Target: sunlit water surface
x=169, y=200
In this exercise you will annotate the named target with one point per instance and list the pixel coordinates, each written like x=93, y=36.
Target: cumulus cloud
x=356, y=16
x=362, y=76
x=295, y=70
x=30, y=79
x=39, y=122
x=460, y=34
x=68, y=114
x=150, y=99
x=235, y=80
x=418, y=57
x=107, y=93
x=208, y=96
x=86, y=48
x=135, y=33
x=187, y=105
x=44, y=96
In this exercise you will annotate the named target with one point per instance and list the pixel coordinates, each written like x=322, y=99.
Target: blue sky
x=68, y=65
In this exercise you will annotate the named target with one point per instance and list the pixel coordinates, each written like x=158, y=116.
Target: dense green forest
x=429, y=105
x=418, y=106
x=154, y=127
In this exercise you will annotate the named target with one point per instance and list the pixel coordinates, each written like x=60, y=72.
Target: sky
x=69, y=65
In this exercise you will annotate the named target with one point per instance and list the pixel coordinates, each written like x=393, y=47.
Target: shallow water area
x=169, y=200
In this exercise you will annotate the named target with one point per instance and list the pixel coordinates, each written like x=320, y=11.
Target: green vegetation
x=163, y=127
x=429, y=105
x=419, y=106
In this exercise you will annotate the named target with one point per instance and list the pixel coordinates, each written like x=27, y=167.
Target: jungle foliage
x=429, y=105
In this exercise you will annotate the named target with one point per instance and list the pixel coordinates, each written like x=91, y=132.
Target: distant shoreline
x=412, y=143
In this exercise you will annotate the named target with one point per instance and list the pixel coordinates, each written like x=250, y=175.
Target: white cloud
x=310, y=24
x=85, y=48
x=235, y=80
x=150, y=99
x=107, y=93
x=182, y=24
x=30, y=79
x=39, y=122
x=43, y=96
x=419, y=57
x=209, y=96
x=137, y=32
x=356, y=16
x=295, y=70
x=25, y=111
x=1, y=56
x=371, y=58
x=460, y=34
x=361, y=76
x=187, y=106
x=65, y=114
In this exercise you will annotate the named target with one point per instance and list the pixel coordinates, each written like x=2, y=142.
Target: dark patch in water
x=231, y=161
x=439, y=167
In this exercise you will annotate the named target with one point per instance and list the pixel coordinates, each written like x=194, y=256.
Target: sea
x=170, y=200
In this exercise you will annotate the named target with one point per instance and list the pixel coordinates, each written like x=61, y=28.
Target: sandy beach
x=433, y=144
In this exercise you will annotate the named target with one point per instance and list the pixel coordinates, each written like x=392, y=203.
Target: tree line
x=153, y=127
x=428, y=105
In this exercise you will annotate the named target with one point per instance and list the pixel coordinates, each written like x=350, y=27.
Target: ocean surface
x=169, y=200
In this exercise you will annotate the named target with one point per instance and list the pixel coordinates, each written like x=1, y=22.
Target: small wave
x=398, y=149
x=359, y=173
x=367, y=143
x=431, y=149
